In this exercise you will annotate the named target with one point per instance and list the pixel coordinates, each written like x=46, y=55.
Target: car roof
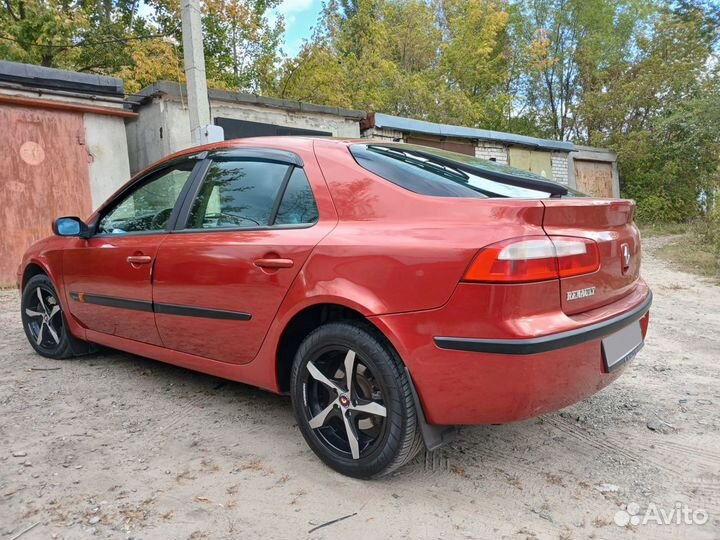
x=286, y=142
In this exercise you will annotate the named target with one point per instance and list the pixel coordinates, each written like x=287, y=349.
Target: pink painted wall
x=44, y=174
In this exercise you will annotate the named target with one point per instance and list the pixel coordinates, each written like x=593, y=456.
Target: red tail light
x=534, y=258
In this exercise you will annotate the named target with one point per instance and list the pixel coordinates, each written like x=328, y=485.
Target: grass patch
x=686, y=256
x=698, y=250
x=663, y=229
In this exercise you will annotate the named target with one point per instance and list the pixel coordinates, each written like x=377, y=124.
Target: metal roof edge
x=446, y=130
x=175, y=89
x=32, y=76
x=598, y=149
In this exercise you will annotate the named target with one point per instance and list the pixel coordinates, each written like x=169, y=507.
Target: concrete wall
x=385, y=134
x=338, y=126
x=107, y=150
x=155, y=134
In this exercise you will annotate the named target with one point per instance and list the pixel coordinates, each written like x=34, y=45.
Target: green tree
x=35, y=31
x=474, y=60
x=241, y=43
x=443, y=61
x=662, y=116
x=572, y=46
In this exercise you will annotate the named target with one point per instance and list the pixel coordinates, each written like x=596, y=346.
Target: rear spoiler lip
x=545, y=186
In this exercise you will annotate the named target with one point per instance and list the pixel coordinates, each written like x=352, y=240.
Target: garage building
x=64, y=151
x=590, y=170
x=163, y=123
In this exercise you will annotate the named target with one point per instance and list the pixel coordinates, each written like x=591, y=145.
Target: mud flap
x=433, y=436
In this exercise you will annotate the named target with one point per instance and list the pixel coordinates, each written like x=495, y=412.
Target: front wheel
x=353, y=401
x=43, y=319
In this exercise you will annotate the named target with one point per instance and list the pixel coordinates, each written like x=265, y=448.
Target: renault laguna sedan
x=394, y=291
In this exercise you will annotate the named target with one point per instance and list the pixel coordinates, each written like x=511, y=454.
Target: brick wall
x=560, y=163
x=491, y=151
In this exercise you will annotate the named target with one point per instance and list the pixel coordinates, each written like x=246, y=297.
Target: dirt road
x=116, y=446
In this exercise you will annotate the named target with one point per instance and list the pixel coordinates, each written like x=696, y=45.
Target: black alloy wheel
x=353, y=401
x=43, y=319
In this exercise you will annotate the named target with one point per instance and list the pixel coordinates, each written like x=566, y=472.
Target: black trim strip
x=208, y=313
x=546, y=343
x=280, y=195
x=111, y=301
x=168, y=309
x=253, y=153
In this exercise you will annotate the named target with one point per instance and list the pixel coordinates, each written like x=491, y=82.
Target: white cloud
x=294, y=6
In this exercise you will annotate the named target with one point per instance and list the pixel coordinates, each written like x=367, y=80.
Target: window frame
x=257, y=155
x=151, y=175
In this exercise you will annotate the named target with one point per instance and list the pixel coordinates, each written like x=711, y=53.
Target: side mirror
x=71, y=226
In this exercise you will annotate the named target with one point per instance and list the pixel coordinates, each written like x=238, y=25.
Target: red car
x=394, y=291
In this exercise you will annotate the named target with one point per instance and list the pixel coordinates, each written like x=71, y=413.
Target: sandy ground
x=117, y=446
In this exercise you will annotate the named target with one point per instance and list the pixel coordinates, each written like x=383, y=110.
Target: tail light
x=534, y=258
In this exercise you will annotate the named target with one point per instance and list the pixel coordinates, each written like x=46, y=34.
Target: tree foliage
x=112, y=37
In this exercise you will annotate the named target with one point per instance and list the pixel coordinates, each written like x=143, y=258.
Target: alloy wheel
x=43, y=319
x=344, y=403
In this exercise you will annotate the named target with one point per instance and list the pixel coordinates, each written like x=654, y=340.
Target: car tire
x=44, y=321
x=376, y=409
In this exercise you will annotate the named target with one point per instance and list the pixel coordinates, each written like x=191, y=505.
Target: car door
x=242, y=238
x=108, y=276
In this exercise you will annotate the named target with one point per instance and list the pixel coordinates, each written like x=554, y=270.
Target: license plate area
x=622, y=346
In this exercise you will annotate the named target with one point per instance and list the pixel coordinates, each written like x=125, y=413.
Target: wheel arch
x=313, y=316
x=305, y=321
x=32, y=269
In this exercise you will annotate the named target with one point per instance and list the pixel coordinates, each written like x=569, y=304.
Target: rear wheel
x=43, y=319
x=353, y=401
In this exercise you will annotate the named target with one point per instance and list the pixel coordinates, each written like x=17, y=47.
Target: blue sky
x=300, y=16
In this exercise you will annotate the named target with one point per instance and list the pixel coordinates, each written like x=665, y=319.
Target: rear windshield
x=431, y=171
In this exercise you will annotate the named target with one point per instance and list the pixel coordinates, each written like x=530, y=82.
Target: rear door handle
x=139, y=259
x=274, y=263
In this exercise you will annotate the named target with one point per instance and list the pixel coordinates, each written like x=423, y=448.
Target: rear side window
x=431, y=171
x=237, y=194
x=298, y=204
x=414, y=174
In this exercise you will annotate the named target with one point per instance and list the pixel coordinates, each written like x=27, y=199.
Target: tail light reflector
x=534, y=258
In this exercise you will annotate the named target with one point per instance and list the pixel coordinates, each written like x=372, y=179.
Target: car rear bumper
x=509, y=376
x=550, y=342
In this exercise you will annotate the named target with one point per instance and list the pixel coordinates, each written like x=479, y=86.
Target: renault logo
x=625, y=250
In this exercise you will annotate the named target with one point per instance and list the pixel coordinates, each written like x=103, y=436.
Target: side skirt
x=251, y=373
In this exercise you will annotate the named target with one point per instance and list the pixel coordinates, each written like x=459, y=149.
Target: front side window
x=238, y=194
x=148, y=207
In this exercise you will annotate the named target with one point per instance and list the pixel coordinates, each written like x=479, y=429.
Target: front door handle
x=274, y=263
x=139, y=259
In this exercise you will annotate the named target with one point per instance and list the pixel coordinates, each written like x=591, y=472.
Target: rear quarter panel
x=394, y=250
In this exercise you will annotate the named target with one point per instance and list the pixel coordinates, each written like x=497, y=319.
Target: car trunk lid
x=609, y=222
